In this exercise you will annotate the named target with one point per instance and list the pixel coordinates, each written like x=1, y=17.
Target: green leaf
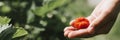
x=4, y=20
x=30, y=16
x=20, y=32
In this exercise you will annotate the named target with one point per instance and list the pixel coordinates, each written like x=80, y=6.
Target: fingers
x=67, y=32
x=71, y=32
x=78, y=33
x=69, y=28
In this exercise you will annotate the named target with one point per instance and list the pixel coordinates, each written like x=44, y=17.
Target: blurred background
x=46, y=19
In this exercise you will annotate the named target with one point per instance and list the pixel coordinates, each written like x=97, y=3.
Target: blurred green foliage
x=4, y=20
x=40, y=19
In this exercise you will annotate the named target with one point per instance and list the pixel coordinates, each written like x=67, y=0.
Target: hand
x=101, y=20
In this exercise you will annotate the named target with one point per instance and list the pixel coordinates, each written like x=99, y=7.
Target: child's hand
x=101, y=20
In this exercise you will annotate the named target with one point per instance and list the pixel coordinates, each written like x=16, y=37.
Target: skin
x=101, y=20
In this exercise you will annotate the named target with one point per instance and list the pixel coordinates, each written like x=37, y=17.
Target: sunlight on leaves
x=4, y=20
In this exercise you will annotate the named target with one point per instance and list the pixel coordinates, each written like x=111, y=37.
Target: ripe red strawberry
x=80, y=23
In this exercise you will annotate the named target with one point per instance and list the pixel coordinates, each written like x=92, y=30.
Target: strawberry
x=80, y=23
